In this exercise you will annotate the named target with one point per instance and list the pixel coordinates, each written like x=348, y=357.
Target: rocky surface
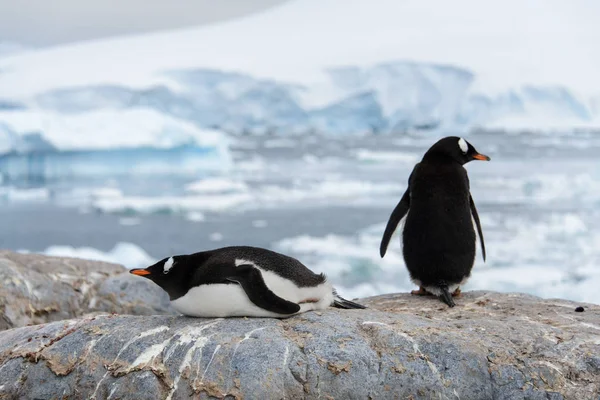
x=35, y=289
x=491, y=346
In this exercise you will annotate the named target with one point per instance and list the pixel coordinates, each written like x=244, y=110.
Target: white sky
x=505, y=44
x=51, y=22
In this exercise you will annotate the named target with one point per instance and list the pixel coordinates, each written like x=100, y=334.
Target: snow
x=112, y=129
x=126, y=221
x=103, y=192
x=531, y=41
x=215, y=185
x=386, y=156
x=243, y=197
x=541, y=123
x=382, y=65
x=175, y=204
x=195, y=216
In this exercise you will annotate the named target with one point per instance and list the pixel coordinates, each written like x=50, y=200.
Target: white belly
x=230, y=300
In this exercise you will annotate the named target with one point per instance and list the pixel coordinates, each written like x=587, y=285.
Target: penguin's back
x=284, y=266
x=439, y=238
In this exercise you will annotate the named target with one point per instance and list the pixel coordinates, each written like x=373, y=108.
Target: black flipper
x=397, y=215
x=446, y=296
x=479, y=231
x=340, y=302
x=251, y=280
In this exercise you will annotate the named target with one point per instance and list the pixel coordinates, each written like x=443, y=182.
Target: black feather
x=251, y=280
x=439, y=239
x=446, y=296
x=395, y=218
x=479, y=231
x=340, y=302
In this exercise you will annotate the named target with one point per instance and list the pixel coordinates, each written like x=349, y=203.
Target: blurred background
x=132, y=131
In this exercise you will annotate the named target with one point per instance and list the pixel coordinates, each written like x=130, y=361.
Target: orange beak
x=481, y=157
x=140, y=272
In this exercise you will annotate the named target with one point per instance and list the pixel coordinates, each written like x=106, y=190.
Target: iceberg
x=38, y=147
x=106, y=129
x=380, y=66
x=52, y=166
x=393, y=97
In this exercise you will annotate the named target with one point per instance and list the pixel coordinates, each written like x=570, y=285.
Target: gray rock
x=491, y=346
x=35, y=289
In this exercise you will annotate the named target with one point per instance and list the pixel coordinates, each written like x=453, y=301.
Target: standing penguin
x=439, y=240
x=242, y=281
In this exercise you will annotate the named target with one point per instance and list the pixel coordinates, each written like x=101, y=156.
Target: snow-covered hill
x=335, y=66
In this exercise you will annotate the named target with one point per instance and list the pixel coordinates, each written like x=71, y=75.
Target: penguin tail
x=340, y=302
x=446, y=296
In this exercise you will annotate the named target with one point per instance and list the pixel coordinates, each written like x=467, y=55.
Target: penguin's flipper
x=251, y=280
x=397, y=215
x=479, y=231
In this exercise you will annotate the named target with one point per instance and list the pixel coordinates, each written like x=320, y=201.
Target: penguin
x=242, y=281
x=438, y=239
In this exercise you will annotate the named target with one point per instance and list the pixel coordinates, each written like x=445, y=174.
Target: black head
x=454, y=148
x=171, y=274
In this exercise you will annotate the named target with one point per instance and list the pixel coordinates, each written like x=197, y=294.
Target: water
x=326, y=202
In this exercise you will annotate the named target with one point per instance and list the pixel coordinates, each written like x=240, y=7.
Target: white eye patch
x=464, y=147
x=168, y=265
x=240, y=261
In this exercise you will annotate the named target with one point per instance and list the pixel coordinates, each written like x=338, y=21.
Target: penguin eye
x=462, y=144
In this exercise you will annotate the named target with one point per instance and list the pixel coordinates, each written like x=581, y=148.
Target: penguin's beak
x=481, y=157
x=140, y=272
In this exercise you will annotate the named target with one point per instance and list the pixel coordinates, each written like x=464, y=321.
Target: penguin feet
x=457, y=292
x=420, y=292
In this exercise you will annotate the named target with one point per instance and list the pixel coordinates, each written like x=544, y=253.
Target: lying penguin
x=438, y=240
x=242, y=281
